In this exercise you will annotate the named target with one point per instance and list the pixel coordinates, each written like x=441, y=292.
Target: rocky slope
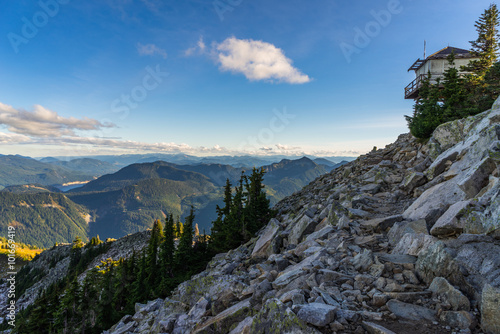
x=52, y=266
x=403, y=240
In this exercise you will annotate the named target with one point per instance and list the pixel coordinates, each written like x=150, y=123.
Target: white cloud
x=116, y=143
x=42, y=122
x=287, y=148
x=199, y=47
x=83, y=144
x=201, y=44
x=10, y=138
x=75, y=146
x=257, y=60
x=151, y=50
x=46, y=128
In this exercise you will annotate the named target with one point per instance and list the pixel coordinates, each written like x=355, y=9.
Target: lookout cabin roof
x=442, y=54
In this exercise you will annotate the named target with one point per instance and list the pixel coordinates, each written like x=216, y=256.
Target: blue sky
x=215, y=77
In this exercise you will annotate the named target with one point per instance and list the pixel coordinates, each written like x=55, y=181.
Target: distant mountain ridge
x=136, y=172
x=130, y=199
x=19, y=170
x=55, y=171
x=16, y=170
x=303, y=168
x=323, y=161
x=243, y=161
x=90, y=166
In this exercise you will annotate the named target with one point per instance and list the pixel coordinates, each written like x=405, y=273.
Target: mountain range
x=246, y=161
x=90, y=166
x=130, y=199
x=56, y=171
x=18, y=170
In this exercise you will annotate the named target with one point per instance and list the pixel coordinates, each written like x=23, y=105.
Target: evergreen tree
x=67, y=314
x=132, y=274
x=76, y=254
x=491, y=88
x=243, y=214
x=152, y=258
x=228, y=199
x=486, y=45
x=106, y=313
x=428, y=112
x=90, y=295
x=52, y=305
x=167, y=247
x=456, y=99
x=95, y=241
x=184, y=251
x=167, y=250
x=219, y=230
x=139, y=289
x=234, y=224
x=201, y=255
x=257, y=209
x=178, y=229
x=482, y=81
x=40, y=316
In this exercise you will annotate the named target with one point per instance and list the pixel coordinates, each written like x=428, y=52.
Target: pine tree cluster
x=246, y=210
x=174, y=253
x=111, y=290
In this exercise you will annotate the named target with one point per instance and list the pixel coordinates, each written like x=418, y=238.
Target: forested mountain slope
x=42, y=219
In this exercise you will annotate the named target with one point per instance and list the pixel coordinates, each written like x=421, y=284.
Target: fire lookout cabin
x=436, y=64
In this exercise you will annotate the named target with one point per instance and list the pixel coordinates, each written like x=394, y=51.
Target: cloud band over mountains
x=42, y=122
x=42, y=126
x=45, y=127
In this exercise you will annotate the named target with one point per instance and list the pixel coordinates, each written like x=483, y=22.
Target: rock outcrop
x=404, y=239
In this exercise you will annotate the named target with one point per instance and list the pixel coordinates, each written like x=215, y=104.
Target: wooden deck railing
x=414, y=85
